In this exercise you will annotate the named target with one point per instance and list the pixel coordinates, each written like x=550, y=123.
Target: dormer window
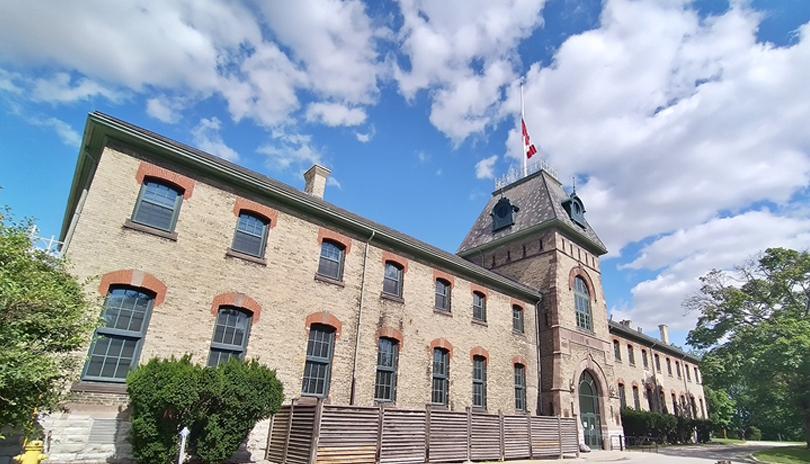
x=503, y=214
x=575, y=209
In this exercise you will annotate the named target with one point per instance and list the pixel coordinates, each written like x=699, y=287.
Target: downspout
x=353, y=397
x=537, y=309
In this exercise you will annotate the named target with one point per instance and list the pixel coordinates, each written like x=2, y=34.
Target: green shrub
x=219, y=406
x=753, y=433
x=663, y=428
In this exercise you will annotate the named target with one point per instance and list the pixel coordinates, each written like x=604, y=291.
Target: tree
x=45, y=317
x=754, y=323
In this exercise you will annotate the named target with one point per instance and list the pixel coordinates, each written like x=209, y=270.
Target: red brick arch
x=444, y=276
x=326, y=234
x=519, y=360
x=402, y=262
x=325, y=318
x=441, y=343
x=134, y=278
x=239, y=300
x=390, y=332
x=156, y=172
x=479, y=351
x=266, y=212
x=482, y=290
x=579, y=271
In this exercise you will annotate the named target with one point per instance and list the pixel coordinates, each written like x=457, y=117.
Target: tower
x=533, y=232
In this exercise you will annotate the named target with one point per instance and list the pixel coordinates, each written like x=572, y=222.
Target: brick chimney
x=315, y=179
x=664, y=330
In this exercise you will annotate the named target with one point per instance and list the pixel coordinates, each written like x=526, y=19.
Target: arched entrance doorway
x=589, y=410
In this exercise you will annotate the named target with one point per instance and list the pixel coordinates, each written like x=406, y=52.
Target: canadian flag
x=528, y=146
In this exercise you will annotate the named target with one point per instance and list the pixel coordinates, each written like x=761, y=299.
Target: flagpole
x=522, y=137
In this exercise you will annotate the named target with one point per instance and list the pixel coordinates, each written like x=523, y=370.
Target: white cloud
x=485, y=169
x=688, y=253
x=287, y=150
x=464, y=52
x=365, y=137
x=60, y=88
x=9, y=81
x=206, y=136
x=63, y=130
x=333, y=182
x=164, y=109
x=422, y=156
x=335, y=114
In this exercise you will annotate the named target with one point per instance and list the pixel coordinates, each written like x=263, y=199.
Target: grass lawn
x=787, y=455
x=727, y=441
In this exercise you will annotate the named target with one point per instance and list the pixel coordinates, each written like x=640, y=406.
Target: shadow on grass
x=787, y=455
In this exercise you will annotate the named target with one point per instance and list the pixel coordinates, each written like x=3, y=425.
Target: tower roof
x=540, y=202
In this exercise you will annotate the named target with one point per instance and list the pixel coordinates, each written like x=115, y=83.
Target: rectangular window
x=669, y=367
x=331, y=261
x=631, y=356
x=443, y=289
x=644, y=359
x=117, y=342
x=250, y=237
x=688, y=372
x=517, y=319
x=317, y=370
x=520, y=387
x=657, y=363
x=617, y=350
x=230, y=336
x=636, y=399
x=622, y=396
x=650, y=399
x=385, y=388
x=678, y=368
x=158, y=205
x=441, y=376
x=479, y=307
x=697, y=379
x=480, y=382
x=392, y=282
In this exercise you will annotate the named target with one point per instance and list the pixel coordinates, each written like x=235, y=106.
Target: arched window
x=688, y=372
x=675, y=409
x=331, y=262
x=392, y=282
x=657, y=363
x=644, y=359
x=582, y=301
x=520, y=387
x=631, y=356
x=250, y=237
x=517, y=319
x=702, y=410
x=479, y=306
x=479, y=382
x=678, y=368
x=158, y=205
x=385, y=388
x=230, y=335
x=443, y=295
x=669, y=367
x=650, y=399
x=440, y=391
x=318, y=368
x=636, y=399
x=117, y=343
x=622, y=396
x=617, y=350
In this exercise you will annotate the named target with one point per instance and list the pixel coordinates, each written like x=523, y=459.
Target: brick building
x=193, y=254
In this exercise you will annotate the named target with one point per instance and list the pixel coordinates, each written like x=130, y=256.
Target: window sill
x=90, y=386
x=245, y=257
x=479, y=322
x=390, y=297
x=478, y=410
x=129, y=224
x=329, y=280
x=522, y=334
x=443, y=312
x=385, y=403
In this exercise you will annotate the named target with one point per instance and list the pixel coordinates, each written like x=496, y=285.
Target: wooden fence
x=324, y=434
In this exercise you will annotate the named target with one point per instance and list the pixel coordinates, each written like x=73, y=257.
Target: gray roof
x=539, y=197
x=627, y=332
x=100, y=126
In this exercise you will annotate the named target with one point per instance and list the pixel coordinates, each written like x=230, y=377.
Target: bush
x=704, y=430
x=219, y=406
x=663, y=428
x=753, y=433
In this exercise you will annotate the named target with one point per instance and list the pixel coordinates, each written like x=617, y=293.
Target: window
x=230, y=336
x=443, y=293
x=678, y=368
x=669, y=367
x=702, y=410
x=517, y=319
x=636, y=399
x=694, y=406
x=158, y=205
x=650, y=399
x=251, y=235
x=480, y=382
x=657, y=363
x=631, y=356
x=479, y=306
x=697, y=379
x=117, y=343
x=441, y=376
x=520, y=387
x=392, y=283
x=662, y=398
x=503, y=214
x=319, y=360
x=582, y=301
x=331, y=263
x=617, y=350
x=688, y=372
x=644, y=359
x=622, y=396
x=387, y=360
x=675, y=408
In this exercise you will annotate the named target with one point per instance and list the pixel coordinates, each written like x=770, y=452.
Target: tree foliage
x=656, y=427
x=754, y=323
x=219, y=405
x=44, y=318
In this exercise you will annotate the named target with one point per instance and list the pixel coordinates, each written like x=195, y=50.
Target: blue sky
x=685, y=123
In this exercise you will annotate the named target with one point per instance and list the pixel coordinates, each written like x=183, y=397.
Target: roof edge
x=616, y=327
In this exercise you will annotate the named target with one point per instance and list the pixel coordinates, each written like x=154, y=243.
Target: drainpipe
x=537, y=310
x=353, y=397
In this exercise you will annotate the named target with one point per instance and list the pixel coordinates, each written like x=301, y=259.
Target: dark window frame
x=440, y=377
x=383, y=368
x=230, y=349
x=479, y=306
x=329, y=333
x=657, y=362
x=479, y=382
x=120, y=334
x=636, y=398
x=622, y=396
x=617, y=351
x=443, y=290
x=178, y=203
x=518, y=319
x=262, y=240
x=631, y=355
x=582, y=304
x=644, y=359
x=398, y=282
x=340, y=262
x=520, y=388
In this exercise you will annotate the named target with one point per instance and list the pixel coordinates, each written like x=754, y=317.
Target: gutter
x=353, y=396
x=537, y=353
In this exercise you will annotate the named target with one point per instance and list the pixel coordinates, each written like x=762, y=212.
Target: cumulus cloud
x=365, y=137
x=164, y=109
x=60, y=88
x=206, y=136
x=485, y=169
x=335, y=114
x=63, y=130
x=290, y=149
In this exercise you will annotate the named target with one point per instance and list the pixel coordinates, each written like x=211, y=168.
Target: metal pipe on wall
x=353, y=396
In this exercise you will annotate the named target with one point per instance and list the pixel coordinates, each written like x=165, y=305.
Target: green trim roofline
x=101, y=128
